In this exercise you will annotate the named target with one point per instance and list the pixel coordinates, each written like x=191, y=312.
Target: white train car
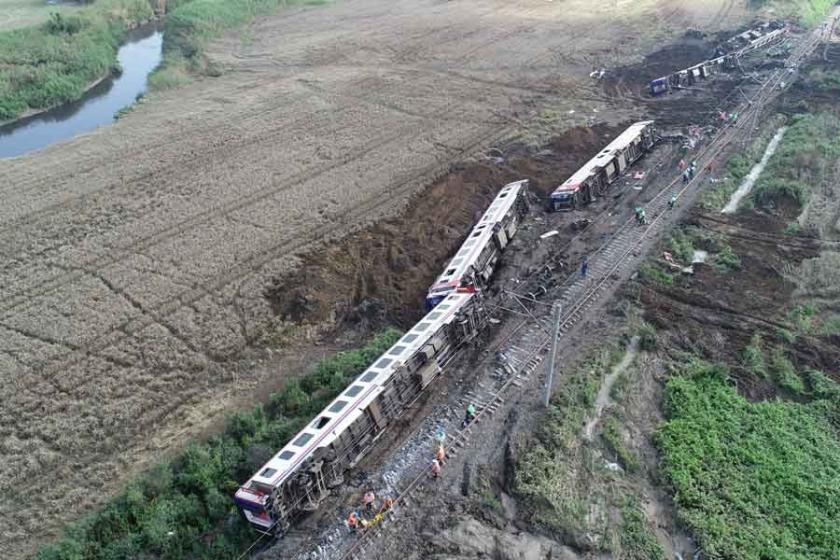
x=298, y=477
x=474, y=263
x=601, y=171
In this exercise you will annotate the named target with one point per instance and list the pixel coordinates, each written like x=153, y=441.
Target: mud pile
x=381, y=274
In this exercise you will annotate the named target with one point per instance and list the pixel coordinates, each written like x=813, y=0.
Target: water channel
x=138, y=57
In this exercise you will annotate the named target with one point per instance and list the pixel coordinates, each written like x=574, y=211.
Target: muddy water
x=138, y=57
x=749, y=181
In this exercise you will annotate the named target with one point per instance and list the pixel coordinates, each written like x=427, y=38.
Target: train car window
x=443, y=307
x=409, y=338
x=302, y=440
x=354, y=390
x=369, y=376
x=268, y=473
x=397, y=350
x=434, y=316
x=421, y=326
x=339, y=405
x=503, y=195
x=321, y=422
x=476, y=234
x=450, y=272
x=286, y=455
x=383, y=363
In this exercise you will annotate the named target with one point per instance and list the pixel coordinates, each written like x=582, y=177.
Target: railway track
x=526, y=344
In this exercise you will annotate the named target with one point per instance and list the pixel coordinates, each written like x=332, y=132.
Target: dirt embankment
x=381, y=274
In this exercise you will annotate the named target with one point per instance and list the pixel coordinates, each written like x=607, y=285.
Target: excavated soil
x=137, y=258
x=381, y=274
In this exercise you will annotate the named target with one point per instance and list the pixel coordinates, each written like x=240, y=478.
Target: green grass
x=655, y=274
x=637, y=540
x=53, y=63
x=611, y=433
x=753, y=480
x=726, y=260
x=184, y=509
x=752, y=358
x=802, y=162
x=681, y=245
x=546, y=480
x=784, y=374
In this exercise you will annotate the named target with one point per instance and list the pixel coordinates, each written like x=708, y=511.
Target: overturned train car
x=300, y=475
x=593, y=179
x=726, y=57
x=473, y=265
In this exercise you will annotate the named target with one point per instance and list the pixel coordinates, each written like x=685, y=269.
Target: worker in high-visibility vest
x=469, y=416
x=440, y=454
x=353, y=521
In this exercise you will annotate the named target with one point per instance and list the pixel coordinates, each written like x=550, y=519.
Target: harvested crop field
x=137, y=259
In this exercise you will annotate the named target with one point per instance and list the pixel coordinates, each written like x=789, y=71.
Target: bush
x=647, y=336
x=681, y=245
x=752, y=358
x=184, y=509
x=655, y=274
x=726, y=260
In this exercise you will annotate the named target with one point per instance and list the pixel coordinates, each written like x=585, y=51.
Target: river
x=138, y=57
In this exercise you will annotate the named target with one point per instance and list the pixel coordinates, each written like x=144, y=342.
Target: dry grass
x=22, y=13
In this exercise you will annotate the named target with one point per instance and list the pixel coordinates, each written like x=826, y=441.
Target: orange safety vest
x=351, y=521
x=440, y=454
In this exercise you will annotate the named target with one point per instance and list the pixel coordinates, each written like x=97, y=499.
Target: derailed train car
x=726, y=56
x=474, y=263
x=601, y=171
x=300, y=475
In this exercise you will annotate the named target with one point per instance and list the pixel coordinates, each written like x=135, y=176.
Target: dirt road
x=135, y=258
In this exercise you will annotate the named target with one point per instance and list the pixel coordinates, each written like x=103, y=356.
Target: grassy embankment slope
x=52, y=63
x=191, y=23
x=184, y=509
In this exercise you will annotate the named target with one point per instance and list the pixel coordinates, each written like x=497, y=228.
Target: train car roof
x=481, y=234
x=606, y=155
x=351, y=403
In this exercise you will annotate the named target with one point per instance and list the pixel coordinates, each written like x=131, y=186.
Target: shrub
x=647, y=336
x=784, y=374
x=752, y=358
x=681, y=245
x=726, y=260
x=655, y=274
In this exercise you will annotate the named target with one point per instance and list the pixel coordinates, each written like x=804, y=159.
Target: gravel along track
x=135, y=258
